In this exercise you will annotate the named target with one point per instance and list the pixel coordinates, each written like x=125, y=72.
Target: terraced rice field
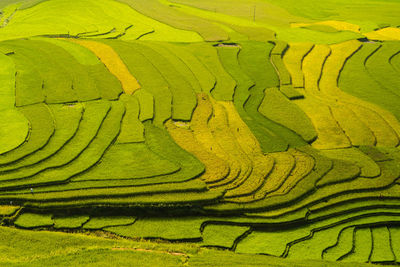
x=199, y=133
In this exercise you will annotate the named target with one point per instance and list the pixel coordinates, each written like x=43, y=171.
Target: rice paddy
x=199, y=133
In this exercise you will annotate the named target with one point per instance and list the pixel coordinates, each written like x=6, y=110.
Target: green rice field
x=199, y=133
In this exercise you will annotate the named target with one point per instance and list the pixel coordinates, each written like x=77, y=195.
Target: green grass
x=279, y=109
x=395, y=62
x=184, y=73
x=25, y=246
x=257, y=53
x=163, y=228
x=14, y=130
x=101, y=222
x=214, y=258
x=290, y=92
x=253, y=63
x=99, y=193
x=320, y=240
x=91, y=121
x=150, y=79
x=159, y=160
x=342, y=247
x=105, y=15
x=94, y=151
x=82, y=83
x=8, y=8
x=254, y=33
x=83, y=86
x=314, y=244
x=177, y=19
x=57, y=79
x=276, y=60
x=107, y=84
x=256, y=130
x=255, y=242
x=32, y=220
x=279, y=49
x=183, y=97
x=321, y=28
x=395, y=240
x=22, y=247
x=200, y=71
x=113, y=186
x=159, y=141
x=381, y=247
x=222, y=235
x=69, y=222
x=340, y=10
x=361, y=185
x=381, y=71
x=362, y=246
x=146, y=104
x=41, y=130
x=174, y=199
x=355, y=80
x=369, y=168
x=83, y=55
x=129, y=161
x=110, y=256
x=66, y=119
x=7, y=76
x=132, y=129
x=93, y=80
x=342, y=171
x=224, y=84
x=353, y=202
x=262, y=16
x=375, y=153
x=28, y=80
x=229, y=59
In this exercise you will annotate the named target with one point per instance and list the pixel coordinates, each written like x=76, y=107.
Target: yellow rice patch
x=330, y=135
x=219, y=138
x=7, y=210
x=385, y=135
x=293, y=60
x=365, y=129
x=216, y=168
x=334, y=64
x=317, y=106
x=385, y=34
x=204, y=136
x=113, y=62
x=338, y=25
x=353, y=127
x=304, y=165
x=284, y=164
x=219, y=127
x=358, y=133
x=261, y=164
